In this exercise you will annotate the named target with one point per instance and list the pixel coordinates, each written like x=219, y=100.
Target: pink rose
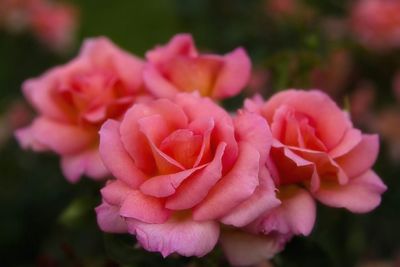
x=182, y=166
x=376, y=23
x=316, y=147
x=75, y=99
x=54, y=24
x=178, y=67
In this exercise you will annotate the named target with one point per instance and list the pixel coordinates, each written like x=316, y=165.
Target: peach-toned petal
x=86, y=163
x=166, y=185
x=181, y=235
x=351, y=139
x=184, y=146
x=109, y=220
x=115, y=192
x=194, y=74
x=144, y=208
x=234, y=75
x=295, y=215
x=234, y=188
x=179, y=45
x=195, y=189
x=157, y=84
x=135, y=141
x=115, y=157
x=361, y=157
x=61, y=138
x=263, y=200
x=26, y=140
x=39, y=92
x=244, y=249
x=253, y=129
x=361, y=194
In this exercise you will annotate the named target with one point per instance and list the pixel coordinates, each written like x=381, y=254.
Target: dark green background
x=46, y=221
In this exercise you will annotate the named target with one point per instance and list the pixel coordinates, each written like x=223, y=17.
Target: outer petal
x=109, y=220
x=253, y=129
x=295, y=215
x=234, y=75
x=144, y=208
x=115, y=157
x=183, y=236
x=157, y=84
x=179, y=45
x=263, y=200
x=61, y=138
x=86, y=163
x=237, y=186
x=244, y=249
x=351, y=139
x=362, y=157
x=39, y=93
x=361, y=194
x=115, y=192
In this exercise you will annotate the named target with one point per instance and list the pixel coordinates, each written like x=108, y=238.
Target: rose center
x=184, y=146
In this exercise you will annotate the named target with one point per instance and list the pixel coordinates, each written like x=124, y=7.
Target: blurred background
x=349, y=49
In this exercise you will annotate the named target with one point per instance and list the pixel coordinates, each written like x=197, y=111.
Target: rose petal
x=109, y=220
x=234, y=75
x=115, y=157
x=362, y=194
x=195, y=189
x=86, y=163
x=330, y=121
x=263, y=200
x=351, y=139
x=115, y=192
x=183, y=236
x=244, y=249
x=60, y=137
x=157, y=84
x=295, y=215
x=144, y=208
x=166, y=185
x=237, y=186
x=253, y=129
x=179, y=45
x=361, y=157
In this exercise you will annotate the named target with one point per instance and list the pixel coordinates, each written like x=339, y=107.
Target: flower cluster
x=184, y=172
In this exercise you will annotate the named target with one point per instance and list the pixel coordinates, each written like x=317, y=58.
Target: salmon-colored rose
x=178, y=67
x=182, y=167
x=316, y=152
x=74, y=100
